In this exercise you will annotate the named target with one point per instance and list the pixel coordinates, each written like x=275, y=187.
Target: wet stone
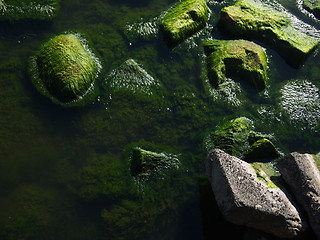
x=184, y=20
x=257, y=20
x=240, y=58
x=64, y=69
x=245, y=200
x=301, y=173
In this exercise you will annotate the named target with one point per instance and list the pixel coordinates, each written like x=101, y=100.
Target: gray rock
x=302, y=175
x=245, y=200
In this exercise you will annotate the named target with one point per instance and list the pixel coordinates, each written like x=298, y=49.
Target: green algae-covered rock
x=312, y=6
x=184, y=20
x=238, y=138
x=131, y=76
x=231, y=137
x=28, y=9
x=144, y=162
x=64, y=69
x=257, y=20
x=263, y=148
x=238, y=58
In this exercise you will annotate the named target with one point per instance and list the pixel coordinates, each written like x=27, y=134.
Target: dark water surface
x=50, y=157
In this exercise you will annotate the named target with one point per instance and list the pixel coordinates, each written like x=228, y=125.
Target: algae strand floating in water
x=28, y=9
x=64, y=69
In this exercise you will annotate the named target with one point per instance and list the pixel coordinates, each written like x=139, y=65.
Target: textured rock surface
x=303, y=177
x=144, y=162
x=256, y=20
x=131, y=76
x=245, y=200
x=312, y=6
x=184, y=20
x=28, y=9
x=64, y=69
x=239, y=58
x=231, y=137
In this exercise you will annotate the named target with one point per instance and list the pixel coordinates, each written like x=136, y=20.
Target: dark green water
x=47, y=152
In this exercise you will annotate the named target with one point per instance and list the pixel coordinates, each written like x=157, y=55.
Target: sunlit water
x=49, y=154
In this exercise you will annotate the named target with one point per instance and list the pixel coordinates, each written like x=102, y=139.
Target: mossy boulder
x=251, y=19
x=144, y=162
x=238, y=138
x=64, y=69
x=239, y=58
x=183, y=20
x=312, y=6
x=262, y=148
x=28, y=9
x=231, y=136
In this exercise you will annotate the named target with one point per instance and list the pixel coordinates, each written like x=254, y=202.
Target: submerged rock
x=231, y=137
x=257, y=20
x=144, y=162
x=246, y=200
x=300, y=101
x=142, y=31
x=27, y=9
x=239, y=58
x=301, y=173
x=64, y=69
x=183, y=21
x=131, y=76
x=236, y=137
x=312, y=6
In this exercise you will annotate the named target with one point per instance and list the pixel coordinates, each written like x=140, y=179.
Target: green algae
x=231, y=136
x=312, y=6
x=131, y=76
x=299, y=100
x=262, y=148
x=102, y=178
x=239, y=58
x=183, y=20
x=279, y=29
x=28, y=9
x=267, y=174
x=64, y=69
x=238, y=138
x=144, y=162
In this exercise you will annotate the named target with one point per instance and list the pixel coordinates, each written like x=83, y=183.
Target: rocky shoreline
x=244, y=196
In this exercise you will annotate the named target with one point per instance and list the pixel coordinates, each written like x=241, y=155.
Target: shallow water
x=48, y=153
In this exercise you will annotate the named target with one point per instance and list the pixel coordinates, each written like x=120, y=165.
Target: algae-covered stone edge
x=82, y=100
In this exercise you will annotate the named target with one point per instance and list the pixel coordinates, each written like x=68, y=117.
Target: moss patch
x=64, y=69
x=184, y=20
x=28, y=9
x=144, y=162
x=265, y=172
x=312, y=6
x=262, y=148
x=239, y=58
x=257, y=20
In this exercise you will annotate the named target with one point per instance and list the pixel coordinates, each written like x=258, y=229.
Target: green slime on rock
x=64, y=69
x=257, y=20
x=239, y=58
x=184, y=20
